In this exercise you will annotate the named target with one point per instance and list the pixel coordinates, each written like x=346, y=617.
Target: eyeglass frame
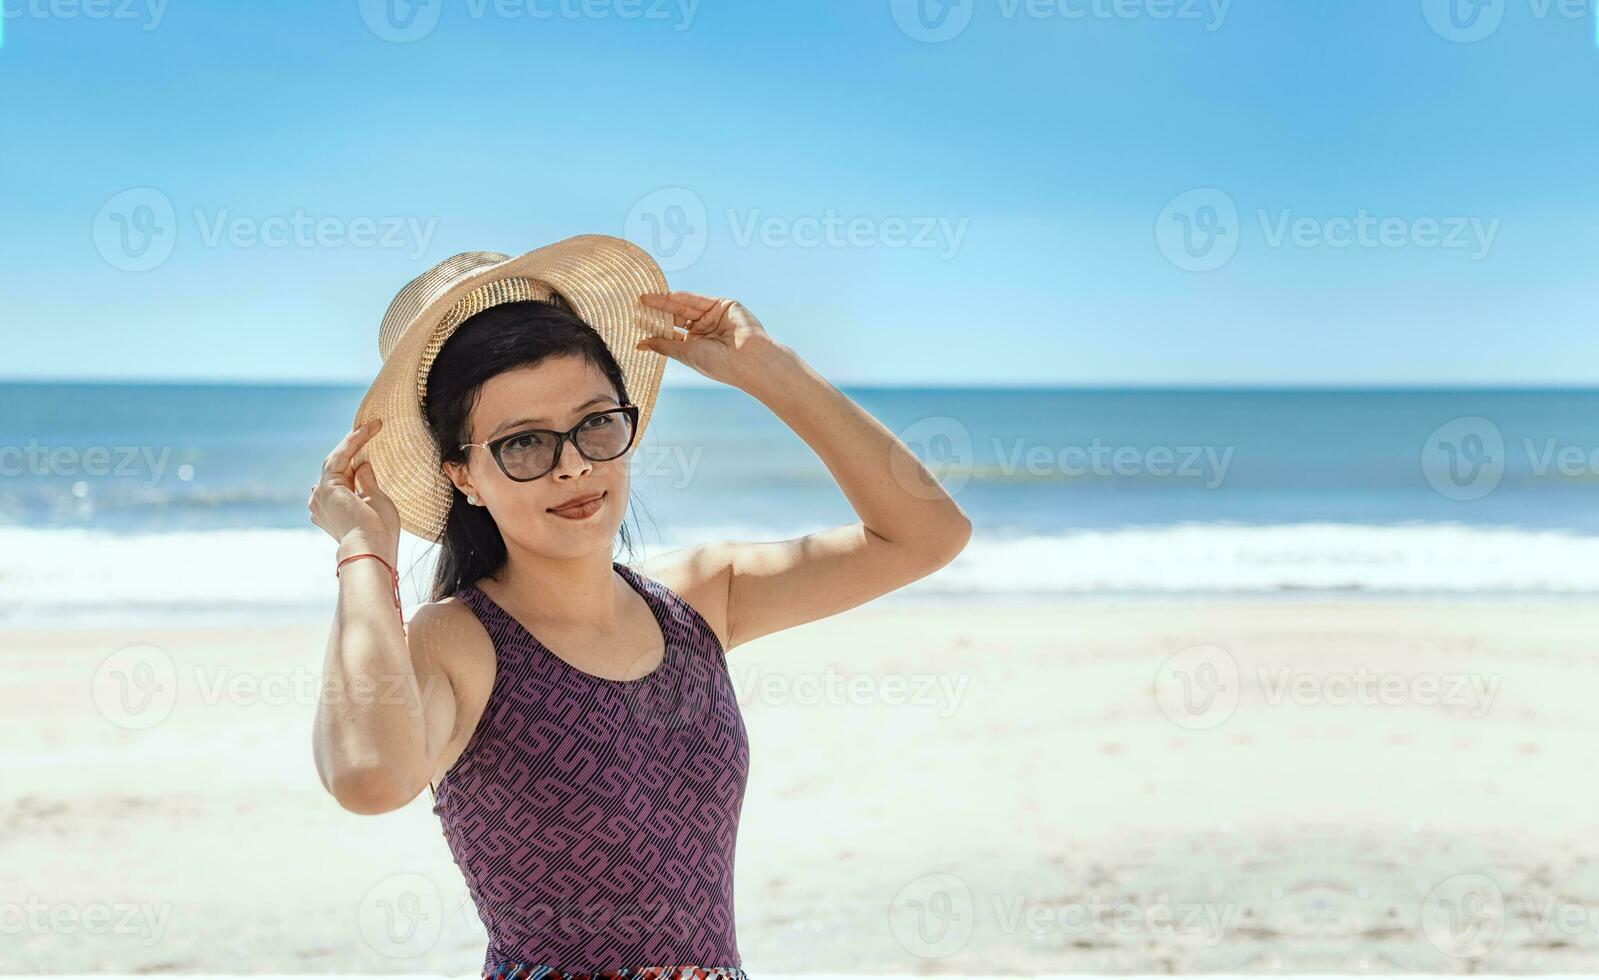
x=561, y=438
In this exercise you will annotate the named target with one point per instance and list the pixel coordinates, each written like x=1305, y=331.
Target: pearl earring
x=472, y=501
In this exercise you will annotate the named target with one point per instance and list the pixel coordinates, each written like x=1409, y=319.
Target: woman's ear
x=457, y=474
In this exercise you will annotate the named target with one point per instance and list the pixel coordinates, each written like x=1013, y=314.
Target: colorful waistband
x=539, y=971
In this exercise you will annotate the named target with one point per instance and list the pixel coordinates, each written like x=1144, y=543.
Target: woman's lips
x=581, y=510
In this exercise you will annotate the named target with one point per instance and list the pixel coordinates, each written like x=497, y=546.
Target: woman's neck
x=576, y=592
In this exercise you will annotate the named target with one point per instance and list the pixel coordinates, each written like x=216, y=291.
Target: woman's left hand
x=721, y=339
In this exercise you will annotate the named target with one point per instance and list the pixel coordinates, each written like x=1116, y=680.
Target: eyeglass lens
x=605, y=436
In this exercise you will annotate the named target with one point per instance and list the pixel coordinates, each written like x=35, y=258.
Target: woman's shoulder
x=451, y=614
x=448, y=634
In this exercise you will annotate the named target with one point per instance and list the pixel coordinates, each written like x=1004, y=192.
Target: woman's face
x=557, y=393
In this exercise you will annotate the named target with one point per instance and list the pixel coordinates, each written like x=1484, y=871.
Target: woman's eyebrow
x=597, y=399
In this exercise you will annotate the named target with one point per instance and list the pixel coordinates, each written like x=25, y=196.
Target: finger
x=343, y=480
x=692, y=313
x=338, y=461
x=681, y=322
x=688, y=305
x=667, y=346
x=367, y=478
x=710, y=321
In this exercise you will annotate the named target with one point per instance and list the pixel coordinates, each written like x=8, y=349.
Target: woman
x=574, y=715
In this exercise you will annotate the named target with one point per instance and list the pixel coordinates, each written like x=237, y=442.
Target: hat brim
x=602, y=276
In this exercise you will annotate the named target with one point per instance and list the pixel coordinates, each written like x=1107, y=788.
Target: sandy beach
x=1000, y=786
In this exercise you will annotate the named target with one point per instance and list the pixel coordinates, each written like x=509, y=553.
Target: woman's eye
x=598, y=422
x=520, y=442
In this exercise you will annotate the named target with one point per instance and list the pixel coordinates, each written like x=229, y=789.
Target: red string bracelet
x=394, y=577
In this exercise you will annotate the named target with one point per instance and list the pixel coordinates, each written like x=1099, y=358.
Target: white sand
x=1032, y=773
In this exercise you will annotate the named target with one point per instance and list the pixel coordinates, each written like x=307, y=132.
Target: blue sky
x=1072, y=192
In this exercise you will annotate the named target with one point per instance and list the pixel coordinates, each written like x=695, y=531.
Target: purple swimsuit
x=595, y=820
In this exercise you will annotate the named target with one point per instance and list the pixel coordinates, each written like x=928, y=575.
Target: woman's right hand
x=347, y=500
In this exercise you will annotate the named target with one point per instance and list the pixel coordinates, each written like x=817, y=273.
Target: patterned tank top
x=595, y=820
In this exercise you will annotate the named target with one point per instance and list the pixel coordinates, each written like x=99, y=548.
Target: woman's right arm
x=387, y=708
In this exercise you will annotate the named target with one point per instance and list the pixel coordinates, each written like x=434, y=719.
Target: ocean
x=155, y=501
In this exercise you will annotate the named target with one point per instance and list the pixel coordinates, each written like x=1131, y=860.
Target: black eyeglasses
x=531, y=453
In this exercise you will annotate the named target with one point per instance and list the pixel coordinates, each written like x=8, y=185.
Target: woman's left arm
x=908, y=528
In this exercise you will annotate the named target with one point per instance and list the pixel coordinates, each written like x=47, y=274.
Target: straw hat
x=599, y=275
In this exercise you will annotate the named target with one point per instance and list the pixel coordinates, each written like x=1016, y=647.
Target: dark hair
x=499, y=339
